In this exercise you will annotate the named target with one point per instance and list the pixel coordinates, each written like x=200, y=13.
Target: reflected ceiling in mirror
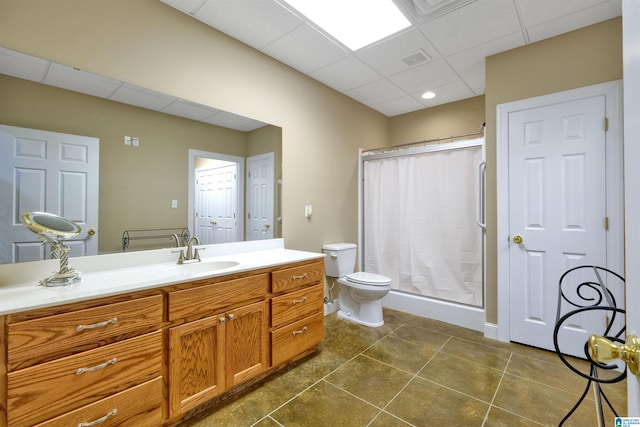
x=17, y=64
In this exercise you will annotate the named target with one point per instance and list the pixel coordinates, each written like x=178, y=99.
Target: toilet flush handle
x=333, y=255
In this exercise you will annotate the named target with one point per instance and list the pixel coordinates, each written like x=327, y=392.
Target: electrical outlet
x=135, y=141
x=308, y=210
x=174, y=204
x=127, y=140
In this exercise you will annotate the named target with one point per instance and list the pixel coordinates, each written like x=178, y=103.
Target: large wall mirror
x=152, y=149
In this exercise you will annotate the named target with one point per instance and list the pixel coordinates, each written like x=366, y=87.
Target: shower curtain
x=419, y=222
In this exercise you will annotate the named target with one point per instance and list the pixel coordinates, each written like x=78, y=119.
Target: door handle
x=604, y=350
x=91, y=232
x=517, y=239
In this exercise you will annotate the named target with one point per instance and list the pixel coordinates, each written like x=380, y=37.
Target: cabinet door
x=247, y=342
x=196, y=363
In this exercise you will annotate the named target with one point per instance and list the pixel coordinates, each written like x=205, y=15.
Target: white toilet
x=361, y=293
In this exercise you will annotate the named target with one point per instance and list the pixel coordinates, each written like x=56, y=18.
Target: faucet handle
x=181, y=256
x=196, y=253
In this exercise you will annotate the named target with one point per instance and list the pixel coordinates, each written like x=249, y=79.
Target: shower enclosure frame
x=461, y=314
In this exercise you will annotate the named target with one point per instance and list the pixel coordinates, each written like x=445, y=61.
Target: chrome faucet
x=192, y=254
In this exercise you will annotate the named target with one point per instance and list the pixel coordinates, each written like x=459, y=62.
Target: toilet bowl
x=360, y=294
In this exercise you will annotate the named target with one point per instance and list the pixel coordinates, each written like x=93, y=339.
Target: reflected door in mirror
x=43, y=171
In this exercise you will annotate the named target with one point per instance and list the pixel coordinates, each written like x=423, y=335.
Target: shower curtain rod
x=426, y=141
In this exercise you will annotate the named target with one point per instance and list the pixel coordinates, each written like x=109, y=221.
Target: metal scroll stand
x=589, y=291
x=53, y=229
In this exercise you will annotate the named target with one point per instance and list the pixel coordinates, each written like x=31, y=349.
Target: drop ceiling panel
x=447, y=93
x=471, y=61
x=23, y=66
x=574, y=21
x=256, y=23
x=534, y=14
x=476, y=24
x=424, y=77
x=189, y=110
x=72, y=79
x=386, y=57
x=234, y=121
x=305, y=49
x=345, y=74
x=397, y=106
x=141, y=97
x=376, y=92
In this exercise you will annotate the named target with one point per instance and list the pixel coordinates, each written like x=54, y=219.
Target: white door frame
x=631, y=63
x=615, y=237
x=192, y=187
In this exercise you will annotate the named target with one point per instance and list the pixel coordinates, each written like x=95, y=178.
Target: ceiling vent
x=427, y=10
x=416, y=58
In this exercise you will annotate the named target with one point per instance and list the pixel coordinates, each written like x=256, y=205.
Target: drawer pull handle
x=81, y=328
x=99, y=420
x=297, y=301
x=302, y=276
x=81, y=371
x=299, y=331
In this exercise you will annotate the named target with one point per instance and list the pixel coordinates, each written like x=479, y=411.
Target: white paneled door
x=50, y=172
x=217, y=201
x=558, y=209
x=260, y=192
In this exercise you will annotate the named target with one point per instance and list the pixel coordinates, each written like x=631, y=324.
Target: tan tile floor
x=415, y=371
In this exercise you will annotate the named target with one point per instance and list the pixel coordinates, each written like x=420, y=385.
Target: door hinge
x=606, y=124
x=606, y=223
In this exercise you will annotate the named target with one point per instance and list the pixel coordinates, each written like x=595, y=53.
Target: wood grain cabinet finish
x=139, y=406
x=33, y=341
x=297, y=317
x=43, y=391
x=210, y=355
x=287, y=279
x=196, y=363
x=297, y=305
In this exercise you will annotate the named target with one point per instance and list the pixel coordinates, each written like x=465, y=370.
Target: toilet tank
x=340, y=259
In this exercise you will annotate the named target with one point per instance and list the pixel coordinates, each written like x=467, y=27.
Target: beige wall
x=584, y=57
x=456, y=118
x=149, y=44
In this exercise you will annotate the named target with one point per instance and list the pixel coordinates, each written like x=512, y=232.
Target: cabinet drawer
x=138, y=406
x=291, y=278
x=296, y=305
x=289, y=341
x=37, y=340
x=47, y=390
x=207, y=299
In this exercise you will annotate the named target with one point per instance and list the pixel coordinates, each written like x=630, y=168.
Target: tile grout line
x=495, y=393
x=269, y=415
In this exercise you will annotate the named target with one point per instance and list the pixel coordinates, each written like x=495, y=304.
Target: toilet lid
x=365, y=278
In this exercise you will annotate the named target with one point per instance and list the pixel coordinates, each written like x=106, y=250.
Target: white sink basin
x=202, y=267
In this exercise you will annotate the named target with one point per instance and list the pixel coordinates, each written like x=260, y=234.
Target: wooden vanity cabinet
x=212, y=354
x=297, y=312
x=77, y=364
x=147, y=358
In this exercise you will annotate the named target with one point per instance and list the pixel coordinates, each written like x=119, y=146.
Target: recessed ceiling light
x=355, y=23
x=428, y=95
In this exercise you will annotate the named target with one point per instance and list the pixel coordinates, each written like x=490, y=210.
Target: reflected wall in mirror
x=138, y=184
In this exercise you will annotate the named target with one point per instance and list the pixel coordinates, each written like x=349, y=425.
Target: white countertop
x=106, y=275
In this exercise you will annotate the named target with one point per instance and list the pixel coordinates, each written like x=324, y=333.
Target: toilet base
x=350, y=317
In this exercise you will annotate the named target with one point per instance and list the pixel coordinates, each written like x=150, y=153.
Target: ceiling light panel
x=355, y=23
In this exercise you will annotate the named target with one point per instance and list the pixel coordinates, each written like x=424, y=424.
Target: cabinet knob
x=232, y=316
x=222, y=319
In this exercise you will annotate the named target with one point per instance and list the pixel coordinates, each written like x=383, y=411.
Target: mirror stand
x=52, y=229
x=65, y=274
